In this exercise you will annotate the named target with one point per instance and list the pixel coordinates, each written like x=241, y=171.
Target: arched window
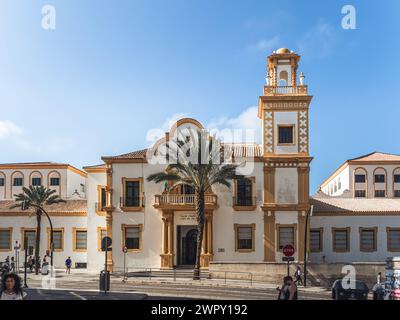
x=283, y=78
x=380, y=183
x=360, y=184
x=2, y=185
x=54, y=181
x=16, y=183
x=35, y=179
x=396, y=183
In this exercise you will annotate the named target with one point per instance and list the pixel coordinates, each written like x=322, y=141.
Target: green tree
x=37, y=197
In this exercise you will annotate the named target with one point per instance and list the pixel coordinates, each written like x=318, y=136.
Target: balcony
x=285, y=90
x=132, y=203
x=182, y=201
x=244, y=203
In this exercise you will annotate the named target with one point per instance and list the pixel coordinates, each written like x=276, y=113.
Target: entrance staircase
x=177, y=273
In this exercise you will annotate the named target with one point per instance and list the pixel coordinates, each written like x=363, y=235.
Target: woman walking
x=11, y=288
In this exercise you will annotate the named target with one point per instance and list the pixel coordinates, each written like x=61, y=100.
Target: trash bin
x=105, y=280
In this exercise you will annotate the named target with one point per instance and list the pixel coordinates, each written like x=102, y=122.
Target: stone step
x=167, y=273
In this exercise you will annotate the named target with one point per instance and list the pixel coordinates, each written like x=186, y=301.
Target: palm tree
x=200, y=175
x=37, y=197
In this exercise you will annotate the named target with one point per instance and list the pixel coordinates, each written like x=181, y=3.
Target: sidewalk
x=82, y=277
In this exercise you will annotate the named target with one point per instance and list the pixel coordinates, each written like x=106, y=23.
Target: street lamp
x=309, y=214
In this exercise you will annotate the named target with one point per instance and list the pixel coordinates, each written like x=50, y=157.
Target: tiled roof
x=70, y=206
x=377, y=156
x=243, y=150
x=43, y=163
x=239, y=150
x=327, y=204
x=139, y=154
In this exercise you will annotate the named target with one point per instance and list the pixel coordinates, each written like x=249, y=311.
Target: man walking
x=68, y=264
x=297, y=276
x=12, y=265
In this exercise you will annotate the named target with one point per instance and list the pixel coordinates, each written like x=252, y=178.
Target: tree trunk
x=37, y=245
x=200, y=229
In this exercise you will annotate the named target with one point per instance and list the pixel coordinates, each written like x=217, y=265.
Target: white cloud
x=153, y=135
x=318, y=42
x=8, y=129
x=246, y=127
x=265, y=45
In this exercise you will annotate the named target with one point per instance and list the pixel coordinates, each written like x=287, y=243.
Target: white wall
x=68, y=223
x=354, y=255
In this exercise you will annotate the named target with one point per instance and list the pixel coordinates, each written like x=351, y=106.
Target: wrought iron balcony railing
x=243, y=201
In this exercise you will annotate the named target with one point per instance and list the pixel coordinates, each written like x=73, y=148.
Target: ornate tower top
x=283, y=107
x=282, y=74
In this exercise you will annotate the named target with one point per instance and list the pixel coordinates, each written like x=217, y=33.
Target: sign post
x=125, y=250
x=17, y=247
x=105, y=274
x=288, y=251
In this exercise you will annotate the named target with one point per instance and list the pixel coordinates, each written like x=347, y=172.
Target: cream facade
x=69, y=219
x=154, y=226
x=356, y=211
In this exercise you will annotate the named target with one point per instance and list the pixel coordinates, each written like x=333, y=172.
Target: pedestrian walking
x=31, y=264
x=288, y=291
x=11, y=288
x=12, y=265
x=297, y=276
x=68, y=264
x=379, y=278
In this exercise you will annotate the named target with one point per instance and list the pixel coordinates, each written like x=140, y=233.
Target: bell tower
x=283, y=109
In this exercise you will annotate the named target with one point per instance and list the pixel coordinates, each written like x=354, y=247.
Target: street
x=85, y=286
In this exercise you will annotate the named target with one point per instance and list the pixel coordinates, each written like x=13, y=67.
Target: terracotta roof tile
x=361, y=205
x=377, y=156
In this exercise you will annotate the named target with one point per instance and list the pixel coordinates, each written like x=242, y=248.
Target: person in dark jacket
x=288, y=291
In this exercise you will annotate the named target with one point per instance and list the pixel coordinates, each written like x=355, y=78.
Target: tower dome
x=282, y=51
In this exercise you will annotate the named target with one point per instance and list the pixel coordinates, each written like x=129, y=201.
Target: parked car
x=353, y=290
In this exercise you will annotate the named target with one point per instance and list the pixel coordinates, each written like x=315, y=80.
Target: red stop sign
x=288, y=250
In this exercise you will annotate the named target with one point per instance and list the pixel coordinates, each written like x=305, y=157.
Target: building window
x=379, y=178
x=5, y=239
x=18, y=182
x=55, y=181
x=132, y=193
x=396, y=193
x=380, y=193
x=316, y=240
x=245, y=236
x=341, y=240
x=132, y=237
x=368, y=239
x=36, y=182
x=359, y=193
x=101, y=234
x=244, y=192
x=58, y=239
x=101, y=198
x=393, y=239
x=359, y=178
x=286, y=235
x=1, y=182
x=285, y=134
x=29, y=238
x=80, y=239
x=396, y=178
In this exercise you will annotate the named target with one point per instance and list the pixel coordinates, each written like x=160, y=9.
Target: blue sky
x=113, y=70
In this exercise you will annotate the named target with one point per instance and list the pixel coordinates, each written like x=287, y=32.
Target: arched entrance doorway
x=187, y=245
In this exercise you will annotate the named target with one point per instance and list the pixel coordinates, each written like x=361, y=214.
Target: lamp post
x=309, y=214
